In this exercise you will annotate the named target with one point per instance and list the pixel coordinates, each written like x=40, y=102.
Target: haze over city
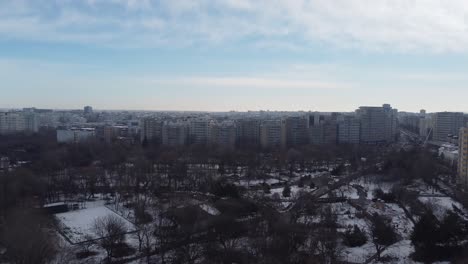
x=234, y=55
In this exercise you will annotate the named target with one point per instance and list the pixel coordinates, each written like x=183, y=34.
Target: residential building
x=297, y=130
x=446, y=124
x=222, y=134
x=17, y=122
x=462, y=177
x=378, y=124
x=151, y=129
x=349, y=130
x=87, y=110
x=273, y=133
x=426, y=126
x=75, y=135
x=198, y=130
x=248, y=132
x=111, y=133
x=174, y=133
x=322, y=129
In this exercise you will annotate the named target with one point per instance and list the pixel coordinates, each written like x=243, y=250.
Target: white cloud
x=396, y=25
x=249, y=82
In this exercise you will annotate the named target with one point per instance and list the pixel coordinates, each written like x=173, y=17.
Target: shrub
x=355, y=237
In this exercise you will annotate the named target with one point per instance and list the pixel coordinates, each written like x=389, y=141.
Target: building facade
x=17, y=122
x=75, y=135
x=248, y=132
x=222, y=134
x=174, y=134
x=198, y=130
x=462, y=177
x=349, y=130
x=151, y=129
x=446, y=124
x=378, y=124
x=273, y=134
x=297, y=130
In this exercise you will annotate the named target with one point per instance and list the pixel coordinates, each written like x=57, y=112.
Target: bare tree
x=145, y=240
x=26, y=239
x=111, y=229
x=327, y=246
x=383, y=234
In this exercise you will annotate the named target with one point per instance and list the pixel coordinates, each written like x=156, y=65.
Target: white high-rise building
x=75, y=135
x=16, y=122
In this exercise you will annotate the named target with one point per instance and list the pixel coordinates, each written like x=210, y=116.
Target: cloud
x=396, y=25
x=249, y=82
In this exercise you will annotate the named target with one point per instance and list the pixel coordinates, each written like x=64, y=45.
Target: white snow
x=440, y=205
x=209, y=209
x=77, y=225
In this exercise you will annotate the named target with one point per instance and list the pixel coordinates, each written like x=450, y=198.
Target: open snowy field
x=77, y=225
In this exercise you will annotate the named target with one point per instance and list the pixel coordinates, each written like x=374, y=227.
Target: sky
x=221, y=55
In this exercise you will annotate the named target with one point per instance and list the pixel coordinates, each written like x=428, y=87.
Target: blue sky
x=214, y=55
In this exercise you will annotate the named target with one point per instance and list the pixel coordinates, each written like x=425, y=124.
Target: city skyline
x=234, y=55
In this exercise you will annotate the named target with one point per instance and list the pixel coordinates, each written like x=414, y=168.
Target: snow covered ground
x=347, y=191
x=440, y=205
x=370, y=184
x=77, y=225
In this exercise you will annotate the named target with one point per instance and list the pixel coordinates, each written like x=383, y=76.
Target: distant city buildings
x=87, y=110
x=253, y=129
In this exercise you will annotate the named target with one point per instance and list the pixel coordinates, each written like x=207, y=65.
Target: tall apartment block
x=273, y=134
x=426, y=125
x=378, y=124
x=349, y=130
x=462, y=177
x=15, y=122
x=248, y=132
x=198, y=130
x=174, y=133
x=222, y=134
x=322, y=129
x=297, y=130
x=151, y=129
x=87, y=110
x=445, y=124
x=391, y=122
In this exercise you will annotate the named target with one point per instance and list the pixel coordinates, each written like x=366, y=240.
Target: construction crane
x=427, y=137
